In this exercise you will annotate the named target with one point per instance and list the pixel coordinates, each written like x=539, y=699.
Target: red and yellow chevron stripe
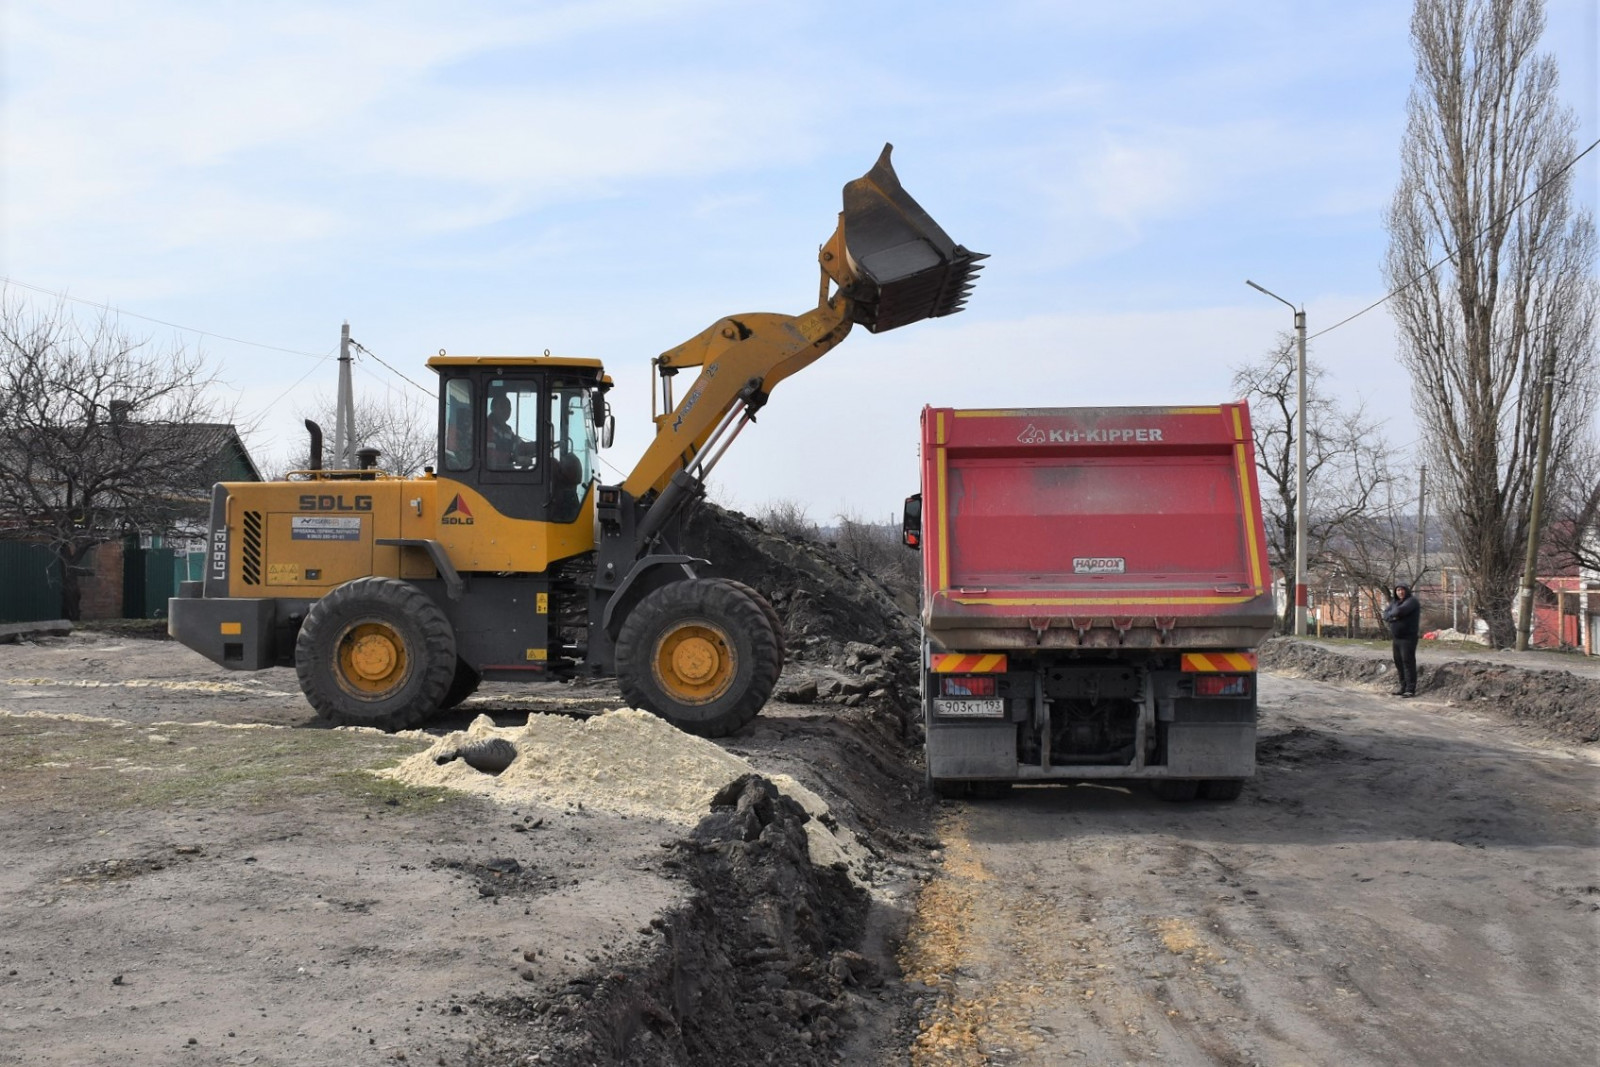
x=961, y=663
x=1219, y=661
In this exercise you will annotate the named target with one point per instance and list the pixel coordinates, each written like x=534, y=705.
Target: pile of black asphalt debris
x=851, y=640
x=757, y=967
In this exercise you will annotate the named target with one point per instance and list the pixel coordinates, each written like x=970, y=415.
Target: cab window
x=511, y=425
x=572, y=433
x=457, y=452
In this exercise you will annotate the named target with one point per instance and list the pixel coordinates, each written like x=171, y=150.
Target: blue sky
x=607, y=178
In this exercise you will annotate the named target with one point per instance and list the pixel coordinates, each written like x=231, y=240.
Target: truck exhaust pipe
x=891, y=260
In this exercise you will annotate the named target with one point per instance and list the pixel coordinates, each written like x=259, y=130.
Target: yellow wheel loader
x=394, y=597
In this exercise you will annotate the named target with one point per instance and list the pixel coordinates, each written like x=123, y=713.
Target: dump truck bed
x=1093, y=528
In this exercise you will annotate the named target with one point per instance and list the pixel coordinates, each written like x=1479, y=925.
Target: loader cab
x=522, y=431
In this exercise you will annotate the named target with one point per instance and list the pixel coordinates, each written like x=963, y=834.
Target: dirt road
x=1404, y=882
x=196, y=873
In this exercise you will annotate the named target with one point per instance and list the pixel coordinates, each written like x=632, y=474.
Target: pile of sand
x=623, y=761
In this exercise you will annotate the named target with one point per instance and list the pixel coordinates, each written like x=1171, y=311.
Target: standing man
x=1403, y=615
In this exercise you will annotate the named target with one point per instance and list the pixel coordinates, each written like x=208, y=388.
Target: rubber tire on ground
x=1221, y=788
x=772, y=617
x=463, y=685
x=708, y=604
x=1175, y=790
x=490, y=755
x=418, y=626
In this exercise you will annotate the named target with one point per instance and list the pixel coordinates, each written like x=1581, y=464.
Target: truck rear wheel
x=1175, y=790
x=1221, y=788
x=375, y=652
x=701, y=654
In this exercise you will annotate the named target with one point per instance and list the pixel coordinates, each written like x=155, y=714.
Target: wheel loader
x=393, y=598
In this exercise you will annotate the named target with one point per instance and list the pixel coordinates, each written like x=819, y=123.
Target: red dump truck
x=1094, y=583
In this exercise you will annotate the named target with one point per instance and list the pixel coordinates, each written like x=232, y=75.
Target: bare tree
x=877, y=549
x=1348, y=480
x=100, y=435
x=1485, y=194
x=401, y=426
x=1574, y=538
x=788, y=518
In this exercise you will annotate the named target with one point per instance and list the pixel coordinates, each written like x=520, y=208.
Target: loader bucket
x=904, y=267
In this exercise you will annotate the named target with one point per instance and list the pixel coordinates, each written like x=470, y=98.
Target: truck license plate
x=970, y=709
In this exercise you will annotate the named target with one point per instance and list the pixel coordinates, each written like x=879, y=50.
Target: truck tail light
x=968, y=685
x=1222, y=685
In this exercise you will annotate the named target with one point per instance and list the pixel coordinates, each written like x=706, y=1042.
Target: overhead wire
x=314, y=368
x=160, y=322
x=358, y=346
x=1448, y=256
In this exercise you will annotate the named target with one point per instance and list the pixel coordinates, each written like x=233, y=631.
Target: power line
x=1448, y=256
x=159, y=322
x=314, y=368
x=367, y=351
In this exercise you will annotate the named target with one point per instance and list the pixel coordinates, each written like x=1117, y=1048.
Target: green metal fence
x=30, y=582
x=151, y=575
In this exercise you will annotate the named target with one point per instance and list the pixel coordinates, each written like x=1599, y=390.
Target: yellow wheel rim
x=372, y=659
x=695, y=663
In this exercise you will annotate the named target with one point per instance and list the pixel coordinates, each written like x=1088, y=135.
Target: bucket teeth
x=906, y=268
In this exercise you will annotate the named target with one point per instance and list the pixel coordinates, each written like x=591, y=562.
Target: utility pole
x=1299, y=462
x=343, y=414
x=1422, y=526
x=1530, y=562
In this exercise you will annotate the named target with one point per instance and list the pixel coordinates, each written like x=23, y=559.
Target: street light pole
x=1299, y=461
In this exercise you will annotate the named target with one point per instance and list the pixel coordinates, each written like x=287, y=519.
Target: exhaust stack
x=316, y=444
x=899, y=266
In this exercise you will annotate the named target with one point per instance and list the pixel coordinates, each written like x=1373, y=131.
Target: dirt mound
x=1558, y=702
x=624, y=761
x=756, y=968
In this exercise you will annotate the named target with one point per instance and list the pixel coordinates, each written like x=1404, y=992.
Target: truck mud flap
x=972, y=750
x=1211, y=750
x=907, y=268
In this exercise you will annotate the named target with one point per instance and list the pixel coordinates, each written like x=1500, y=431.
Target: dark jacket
x=1403, y=616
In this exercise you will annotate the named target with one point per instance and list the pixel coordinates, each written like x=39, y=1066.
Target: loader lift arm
x=889, y=264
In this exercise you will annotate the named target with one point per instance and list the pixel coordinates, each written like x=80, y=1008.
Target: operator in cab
x=506, y=450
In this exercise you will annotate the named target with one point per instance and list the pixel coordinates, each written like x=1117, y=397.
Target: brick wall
x=100, y=594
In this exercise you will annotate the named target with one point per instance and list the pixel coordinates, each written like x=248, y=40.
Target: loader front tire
x=699, y=653
x=376, y=652
x=772, y=617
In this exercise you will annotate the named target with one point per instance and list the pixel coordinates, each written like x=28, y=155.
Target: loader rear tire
x=699, y=653
x=376, y=652
x=463, y=685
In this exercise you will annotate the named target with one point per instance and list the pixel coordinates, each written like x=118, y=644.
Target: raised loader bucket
x=904, y=267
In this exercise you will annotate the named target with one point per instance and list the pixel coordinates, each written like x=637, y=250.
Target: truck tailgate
x=1094, y=527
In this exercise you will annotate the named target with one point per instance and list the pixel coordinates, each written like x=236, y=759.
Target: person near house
x=1404, y=616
